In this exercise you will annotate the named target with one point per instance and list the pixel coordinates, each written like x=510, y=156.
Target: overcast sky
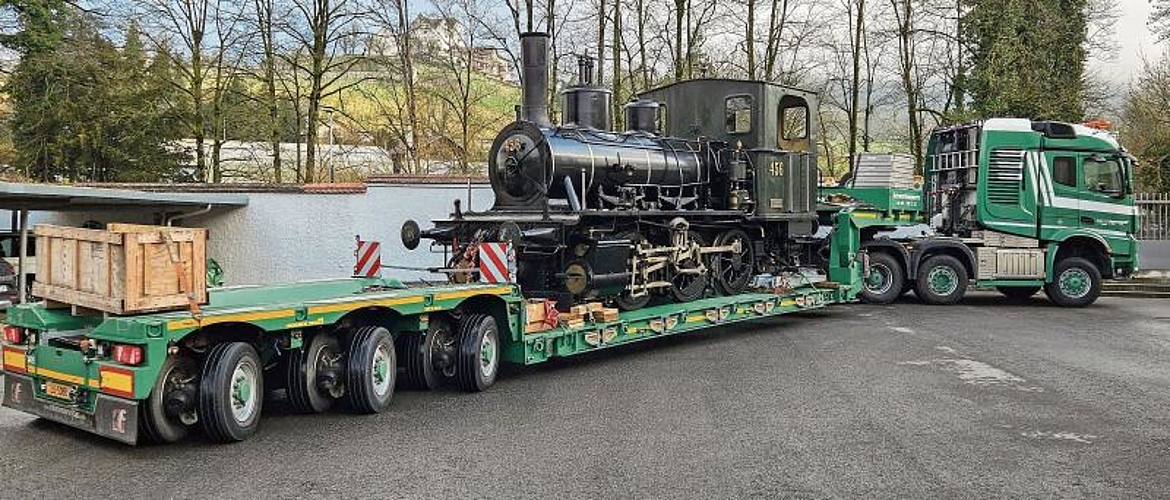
x=1134, y=41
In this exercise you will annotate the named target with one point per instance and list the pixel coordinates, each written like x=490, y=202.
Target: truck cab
x=1015, y=205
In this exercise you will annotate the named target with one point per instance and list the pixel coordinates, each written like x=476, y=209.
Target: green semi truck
x=154, y=377
x=1010, y=204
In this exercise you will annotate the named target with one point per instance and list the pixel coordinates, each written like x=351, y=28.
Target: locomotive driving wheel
x=733, y=271
x=628, y=300
x=690, y=275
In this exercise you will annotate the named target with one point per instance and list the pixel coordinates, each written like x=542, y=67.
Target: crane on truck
x=1006, y=203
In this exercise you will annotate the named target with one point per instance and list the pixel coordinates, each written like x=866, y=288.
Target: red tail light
x=128, y=354
x=13, y=334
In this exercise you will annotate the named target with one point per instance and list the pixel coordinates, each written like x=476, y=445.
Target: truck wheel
x=1018, y=293
x=479, y=353
x=231, y=393
x=942, y=280
x=313, y=376
x=885, y=281
x=1076, y=282
x=370, y=370
x=428, y=361
x=166, y=415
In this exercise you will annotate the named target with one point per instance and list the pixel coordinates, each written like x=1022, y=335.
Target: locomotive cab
x=775, y=128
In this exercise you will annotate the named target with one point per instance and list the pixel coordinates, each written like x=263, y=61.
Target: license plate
x=60, y=391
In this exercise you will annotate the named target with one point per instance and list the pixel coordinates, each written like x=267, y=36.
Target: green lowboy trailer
x=1007, y=204
x=155, y=377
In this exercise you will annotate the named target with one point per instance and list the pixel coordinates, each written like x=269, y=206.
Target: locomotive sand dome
x=727, y=191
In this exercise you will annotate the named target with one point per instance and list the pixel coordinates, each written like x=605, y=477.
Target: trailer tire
x=1076, y=282
x=304, y=369
x=370, y=370
x=886, y=279
x=154, y=424
x=231, y=393
x=428, y=361
x=479, y=353
x=942, y=280
x=1018, y=293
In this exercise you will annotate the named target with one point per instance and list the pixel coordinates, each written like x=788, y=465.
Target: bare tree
x=264, y=12
x=326, y=32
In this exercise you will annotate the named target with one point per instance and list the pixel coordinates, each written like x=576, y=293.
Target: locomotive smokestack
x=534, y=66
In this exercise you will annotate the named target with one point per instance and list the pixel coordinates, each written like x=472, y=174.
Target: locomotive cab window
x=739, y=114
x=792, y=132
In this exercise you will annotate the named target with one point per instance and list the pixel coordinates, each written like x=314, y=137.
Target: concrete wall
x=1154, y=255
x=289, y=236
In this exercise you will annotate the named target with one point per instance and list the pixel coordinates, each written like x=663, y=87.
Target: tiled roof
x=426, y=179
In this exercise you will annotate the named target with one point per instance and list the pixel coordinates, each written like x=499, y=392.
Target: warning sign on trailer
x=369, y=259
x=496, y=263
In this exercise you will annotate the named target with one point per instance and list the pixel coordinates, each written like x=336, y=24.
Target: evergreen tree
x=83, y=110
x=1028, y=58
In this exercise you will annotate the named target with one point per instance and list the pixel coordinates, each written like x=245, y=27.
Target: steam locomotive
x=712, y=182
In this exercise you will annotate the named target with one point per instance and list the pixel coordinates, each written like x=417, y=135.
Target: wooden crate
x=123, y=269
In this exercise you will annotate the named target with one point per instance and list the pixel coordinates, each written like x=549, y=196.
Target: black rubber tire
x=922, y=286
x=720, y=268
x=1053, y=288
x=883, y=262
x=154, y=425
x=474, y=330
x=1018, y=293
x=360, y=389
x=301, y=373
x=420, y=356
x=215, y=398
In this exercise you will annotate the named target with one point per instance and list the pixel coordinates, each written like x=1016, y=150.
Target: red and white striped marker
x=495, y=263
x=369, y=259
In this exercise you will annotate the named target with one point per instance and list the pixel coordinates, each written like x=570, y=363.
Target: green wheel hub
x=879, y=281
x=381, y=370
x=943, y=280
x=1075, y=282
x=487, y=356
x=243, y=394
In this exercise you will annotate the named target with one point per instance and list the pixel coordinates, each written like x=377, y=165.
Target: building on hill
x=436, y=39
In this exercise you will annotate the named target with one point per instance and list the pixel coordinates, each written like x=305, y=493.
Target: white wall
x=284, y=237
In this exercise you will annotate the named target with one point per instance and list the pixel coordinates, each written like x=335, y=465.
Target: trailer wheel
x=166, y=416
x=479, y=353
x=370, y=370
x=1018, y=293
x=428, y=361
x=942, y=280
x=231, y=394
x=313, y=376
x=1076, y=282
x=885, y=281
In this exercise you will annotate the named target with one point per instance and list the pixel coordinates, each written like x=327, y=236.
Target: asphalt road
x=978, y=400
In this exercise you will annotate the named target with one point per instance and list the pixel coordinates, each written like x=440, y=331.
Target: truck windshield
x=1104, y=175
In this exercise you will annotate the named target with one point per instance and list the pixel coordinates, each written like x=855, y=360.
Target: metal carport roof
x=49, y=197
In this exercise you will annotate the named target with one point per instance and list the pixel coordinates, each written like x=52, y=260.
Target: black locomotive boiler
x=712, y=182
